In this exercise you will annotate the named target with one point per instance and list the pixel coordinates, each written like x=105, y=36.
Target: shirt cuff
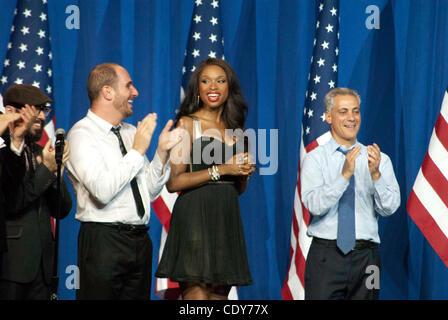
x=158, y=166
x=2, y=143
x=135, y=158
x=380, y=184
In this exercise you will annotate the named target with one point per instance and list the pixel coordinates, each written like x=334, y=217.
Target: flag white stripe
x=169, y=198
x=323, y=139
x=294, y=282
x=304, y=239
x=2, y=108
x=431, y=201
x=444, y=108
x=439, y=155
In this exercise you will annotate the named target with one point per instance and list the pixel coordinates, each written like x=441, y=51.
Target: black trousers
x=115, y=263
x=331, y=275
x=37, y=289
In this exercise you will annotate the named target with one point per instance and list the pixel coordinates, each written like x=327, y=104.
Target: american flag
x=28, y=59
x=428, y=202
x=315, y=131
x=204, y=41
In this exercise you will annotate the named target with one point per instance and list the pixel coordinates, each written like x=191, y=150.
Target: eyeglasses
x=46, y=110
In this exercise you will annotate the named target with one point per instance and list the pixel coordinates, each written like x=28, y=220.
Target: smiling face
x=37, y=128
x=125, y=92
x=213, y=86
x=345, y=119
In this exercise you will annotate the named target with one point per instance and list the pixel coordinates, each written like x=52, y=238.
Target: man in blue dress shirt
x=345, y=186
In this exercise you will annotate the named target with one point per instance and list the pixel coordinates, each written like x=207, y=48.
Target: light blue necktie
x=346, y=216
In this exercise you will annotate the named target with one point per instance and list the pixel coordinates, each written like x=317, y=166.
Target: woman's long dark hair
x=234, y=109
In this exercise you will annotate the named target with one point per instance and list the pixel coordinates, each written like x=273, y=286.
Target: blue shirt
x=323, y=184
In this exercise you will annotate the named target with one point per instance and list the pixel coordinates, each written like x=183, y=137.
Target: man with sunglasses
x=28, y=183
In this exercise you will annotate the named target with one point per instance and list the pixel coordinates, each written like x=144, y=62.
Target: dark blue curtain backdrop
x=400, y=70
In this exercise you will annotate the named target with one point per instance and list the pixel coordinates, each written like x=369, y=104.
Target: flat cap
x=20, y=94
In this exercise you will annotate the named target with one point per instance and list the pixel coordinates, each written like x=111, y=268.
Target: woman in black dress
x=205, y=249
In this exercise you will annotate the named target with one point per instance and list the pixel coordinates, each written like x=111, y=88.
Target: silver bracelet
x=210, y=174
x=215, y=173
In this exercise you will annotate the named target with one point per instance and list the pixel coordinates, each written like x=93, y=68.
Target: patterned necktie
x=134, y=185
x=346, y=216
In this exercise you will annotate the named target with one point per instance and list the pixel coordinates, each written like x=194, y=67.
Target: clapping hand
x=143, y=136
x=18, y=128
x=48, y=157
x=374, y=158
x=349, y=166
x=168, y=139
x=6, y=119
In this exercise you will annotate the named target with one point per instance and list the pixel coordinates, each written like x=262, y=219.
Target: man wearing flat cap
x=29, y=186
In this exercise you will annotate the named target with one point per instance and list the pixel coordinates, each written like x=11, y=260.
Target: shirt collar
x=102, y=124
x=334, y=146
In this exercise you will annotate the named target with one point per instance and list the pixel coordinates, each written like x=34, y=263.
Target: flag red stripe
x=300, y=265
x=299, y=259
x=313, y=145
x=44, y=138
x=295, y=227
x=162, y=212
x=441, y=128
x=286, y=293
x=306, y=215
x=428, y=226
x=299, y=262
x=435, y=178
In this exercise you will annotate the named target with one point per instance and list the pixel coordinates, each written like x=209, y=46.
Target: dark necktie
x=134, y=185
x=29, y=159
x=346, y=216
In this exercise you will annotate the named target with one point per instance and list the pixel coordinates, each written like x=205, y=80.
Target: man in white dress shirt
x=115, y=184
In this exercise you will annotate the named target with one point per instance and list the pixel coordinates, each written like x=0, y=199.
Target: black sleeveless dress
x=205, y=242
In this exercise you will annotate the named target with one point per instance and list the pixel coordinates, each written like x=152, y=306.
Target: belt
x=221, y=182
x=359, y=244
x=122, y=226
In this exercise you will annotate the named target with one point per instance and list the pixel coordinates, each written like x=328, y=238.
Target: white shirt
x=19, y=150
x=2, y=143
x=101, y=175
